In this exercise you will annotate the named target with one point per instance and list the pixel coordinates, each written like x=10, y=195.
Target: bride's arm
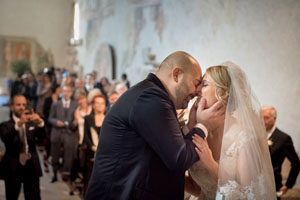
x=191, y=186
x=206, y=157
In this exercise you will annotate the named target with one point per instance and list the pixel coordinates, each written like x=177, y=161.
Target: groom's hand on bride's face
x=192, y=114
x=212, y=116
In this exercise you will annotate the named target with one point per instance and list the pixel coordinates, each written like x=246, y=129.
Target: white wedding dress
x=245, y=169
x=202, y=177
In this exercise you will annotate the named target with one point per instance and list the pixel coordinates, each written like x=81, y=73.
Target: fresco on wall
x=219, y=13
x=138, y=20
x=19, y=48
x=95, y=12
x=13, y=51
x=156, y=15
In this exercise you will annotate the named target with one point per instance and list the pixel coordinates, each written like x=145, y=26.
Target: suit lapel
x=275, y=140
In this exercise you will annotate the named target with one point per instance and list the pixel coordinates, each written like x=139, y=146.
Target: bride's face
x=209, y=91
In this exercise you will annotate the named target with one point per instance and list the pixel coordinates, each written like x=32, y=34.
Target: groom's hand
x=193, y=114
x=212, y=116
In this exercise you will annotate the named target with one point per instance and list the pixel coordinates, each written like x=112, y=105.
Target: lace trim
x=233, y=191
x=236, y=147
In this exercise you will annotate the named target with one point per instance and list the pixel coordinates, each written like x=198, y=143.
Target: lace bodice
x=202, y=177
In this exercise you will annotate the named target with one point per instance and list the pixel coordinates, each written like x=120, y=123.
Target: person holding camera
x=20, y=162
x=63, y=135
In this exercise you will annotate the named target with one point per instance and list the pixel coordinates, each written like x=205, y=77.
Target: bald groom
x=142, y=152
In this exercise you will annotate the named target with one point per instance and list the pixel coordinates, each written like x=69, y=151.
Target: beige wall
x=262, y=36
x=47, y=21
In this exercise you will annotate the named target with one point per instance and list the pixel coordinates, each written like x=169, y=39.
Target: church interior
x=109, y=38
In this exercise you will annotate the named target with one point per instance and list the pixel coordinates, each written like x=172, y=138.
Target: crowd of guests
x=71, y=110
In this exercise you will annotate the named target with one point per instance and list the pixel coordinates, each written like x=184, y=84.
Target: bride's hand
x=205, y=155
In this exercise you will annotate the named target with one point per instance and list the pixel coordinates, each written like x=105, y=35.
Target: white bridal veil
x=245, y=170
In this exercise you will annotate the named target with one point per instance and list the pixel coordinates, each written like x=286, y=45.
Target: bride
x=234, y=158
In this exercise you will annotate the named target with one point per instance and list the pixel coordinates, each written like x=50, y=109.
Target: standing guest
x=105, y=86
x=67, y=80
x=43, y=92
x=142, y=153
x=32, y=88
x=121, y=89
x=73, y=79
x=125, y=81
x=17, y=85
x=78, y=86
x=113, y=97
x=92, y=127
x=89, y=83
x=281, y=147
x=62, y=136
x=21, y=162
x=95, y=77
x=58, y=75
x=81, y=111
x=56, y=90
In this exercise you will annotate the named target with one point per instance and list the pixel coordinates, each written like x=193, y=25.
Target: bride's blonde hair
x=221, y=78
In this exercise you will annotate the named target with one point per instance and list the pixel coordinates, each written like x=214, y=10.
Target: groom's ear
x=177, y=73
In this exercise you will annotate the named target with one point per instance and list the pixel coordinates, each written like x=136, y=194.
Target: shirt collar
x=270, y=133
x=15, y=118
x=66, y=102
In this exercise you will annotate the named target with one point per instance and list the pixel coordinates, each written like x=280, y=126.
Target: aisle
x=49, y=191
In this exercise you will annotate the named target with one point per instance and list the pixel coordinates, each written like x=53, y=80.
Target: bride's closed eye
x=205, y=83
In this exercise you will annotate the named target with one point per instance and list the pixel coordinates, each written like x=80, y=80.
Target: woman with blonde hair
x=234, y=158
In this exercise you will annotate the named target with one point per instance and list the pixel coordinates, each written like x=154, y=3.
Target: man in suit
x=21, y=163
x=281, y=147
x=142, y=153
x=61, y=119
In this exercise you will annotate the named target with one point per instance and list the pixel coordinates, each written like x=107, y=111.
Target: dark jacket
x=10, y=162
x=89, y=122
x=282, y=148
x=142, y=153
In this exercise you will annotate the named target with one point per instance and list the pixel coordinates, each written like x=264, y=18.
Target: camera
x=28, y=109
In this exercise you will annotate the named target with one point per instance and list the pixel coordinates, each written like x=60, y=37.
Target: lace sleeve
x=243, y=171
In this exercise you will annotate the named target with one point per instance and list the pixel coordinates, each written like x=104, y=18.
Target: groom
x=142, y=153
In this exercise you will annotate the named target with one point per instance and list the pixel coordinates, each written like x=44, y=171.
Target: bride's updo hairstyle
x=221, y=78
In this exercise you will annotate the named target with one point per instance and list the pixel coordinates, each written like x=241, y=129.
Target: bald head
x=181, y=76
x=181, y=60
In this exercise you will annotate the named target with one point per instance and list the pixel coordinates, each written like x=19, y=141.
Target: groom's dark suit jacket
x=282, y=148
x=142, y=153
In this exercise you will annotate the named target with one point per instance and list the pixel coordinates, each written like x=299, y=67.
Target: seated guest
x=281, y=147
x=21, y=163
x=81, y=111
x=92, y=127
